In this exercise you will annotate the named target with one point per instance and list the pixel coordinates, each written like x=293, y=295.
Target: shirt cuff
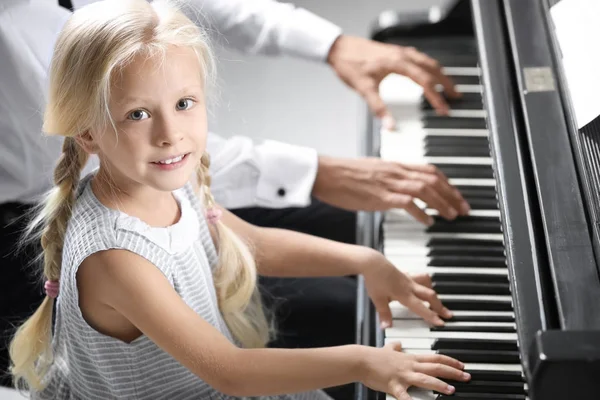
x=309, y=36
x=287, y=175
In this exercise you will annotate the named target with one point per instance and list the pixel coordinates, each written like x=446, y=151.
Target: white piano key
x=462, y=71
x=414, y=264
x=416, y=394
x=419, y=265
x=475, y=297
x=403, y=129
x=420, y=324
x=456, y=132
x=400, y=312
x=462, y=113
x=472, y=182
x=420, y=343
x=454, y=270
x=457, y=160
x=394, y=231
x=430, y=211
x=468, y=88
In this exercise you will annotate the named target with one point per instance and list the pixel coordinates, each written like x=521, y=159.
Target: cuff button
x=281, y=192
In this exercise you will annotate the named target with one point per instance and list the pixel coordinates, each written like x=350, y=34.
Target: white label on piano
x=576, y=28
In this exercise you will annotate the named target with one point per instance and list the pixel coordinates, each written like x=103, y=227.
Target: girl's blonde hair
x=95, y=44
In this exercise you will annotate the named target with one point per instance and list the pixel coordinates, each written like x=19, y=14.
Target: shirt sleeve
x=269, y=174
x=265, y=27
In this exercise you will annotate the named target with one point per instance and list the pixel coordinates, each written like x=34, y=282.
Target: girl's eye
x=185, y=104
x=138, y=115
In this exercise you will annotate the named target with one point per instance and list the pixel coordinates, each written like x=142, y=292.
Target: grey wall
x=296, y=101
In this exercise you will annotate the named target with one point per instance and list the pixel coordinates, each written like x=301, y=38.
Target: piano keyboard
x=465, y=257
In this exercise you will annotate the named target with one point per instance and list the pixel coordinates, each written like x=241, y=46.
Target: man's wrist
x=323, y=176
x=334, y=50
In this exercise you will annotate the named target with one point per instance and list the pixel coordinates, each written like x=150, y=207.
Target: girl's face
x=158, y=108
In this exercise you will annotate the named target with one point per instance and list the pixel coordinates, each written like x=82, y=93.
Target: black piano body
x=547, y=185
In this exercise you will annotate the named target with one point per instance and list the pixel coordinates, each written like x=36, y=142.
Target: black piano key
x=466, y=80
x=478, y=305
x=451, y=151
x=450, y=277
x=500, y=376
x=484, y=192
x=467, y=261
x=468, y=101
x=471, y=288
x=483, y=356
x=470, y=171
x=459, y=243
x=474, y=344
x=454, y=105
x=489, y=387
x=475, y=251
x=434, y=140
x=481, y=204
x=482, y=318
x=473, y=328
x=481, y=396
x=445, y=122
x=465, y=225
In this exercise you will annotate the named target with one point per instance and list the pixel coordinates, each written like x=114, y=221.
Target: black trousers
x=311, y=312
x=20, y=290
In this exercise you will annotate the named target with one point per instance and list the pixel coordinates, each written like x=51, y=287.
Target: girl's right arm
x=136, y=289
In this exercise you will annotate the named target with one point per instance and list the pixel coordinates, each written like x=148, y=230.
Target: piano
x=521, y=272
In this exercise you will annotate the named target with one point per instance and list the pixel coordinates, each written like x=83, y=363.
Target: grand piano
x=521, y=272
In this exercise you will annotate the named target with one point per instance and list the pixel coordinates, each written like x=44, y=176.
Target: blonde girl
x=147, y=307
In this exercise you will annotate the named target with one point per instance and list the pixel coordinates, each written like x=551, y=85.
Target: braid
x=204, y=180
x=235, y=277
x=66, y=177
x=30, y=349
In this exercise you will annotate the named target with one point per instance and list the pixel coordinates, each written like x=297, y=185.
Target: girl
x=148, y=308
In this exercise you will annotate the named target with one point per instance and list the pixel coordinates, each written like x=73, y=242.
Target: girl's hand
x=391, y=371
x=385, y=283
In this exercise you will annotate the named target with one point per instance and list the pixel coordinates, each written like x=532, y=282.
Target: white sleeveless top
x=91, y=366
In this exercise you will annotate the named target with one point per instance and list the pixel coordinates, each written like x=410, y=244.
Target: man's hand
x=372, y=184
x=362, y=64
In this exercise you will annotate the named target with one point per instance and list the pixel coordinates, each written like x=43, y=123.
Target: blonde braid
x=235, y=278
x=30, y=349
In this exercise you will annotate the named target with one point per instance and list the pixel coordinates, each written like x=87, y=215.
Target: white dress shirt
x=270, y=174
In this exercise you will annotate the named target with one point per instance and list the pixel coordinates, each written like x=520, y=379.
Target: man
x=272, y=174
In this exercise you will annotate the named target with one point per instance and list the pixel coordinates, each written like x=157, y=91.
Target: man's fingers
x=428, y=82
x=435, y=69
x=375, y=102
x=417, y=213
x=433, y=175
x=443, y=195
x=427, y=192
